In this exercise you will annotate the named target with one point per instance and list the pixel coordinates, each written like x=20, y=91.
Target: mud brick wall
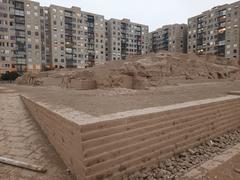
x=113, y=146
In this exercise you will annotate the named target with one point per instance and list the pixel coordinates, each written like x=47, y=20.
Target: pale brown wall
x=112, y=146
x=63, y=134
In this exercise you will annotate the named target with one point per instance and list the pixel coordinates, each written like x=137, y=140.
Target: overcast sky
x=154, y=13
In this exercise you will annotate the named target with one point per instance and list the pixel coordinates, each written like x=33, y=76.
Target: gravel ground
x=178, y=165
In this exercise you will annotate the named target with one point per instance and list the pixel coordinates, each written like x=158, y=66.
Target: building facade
x=171, y=38
x=125, y=38
x=7, y=37
x=35, y=38
x=216, y=31
x=20, y=36
x=77, y=37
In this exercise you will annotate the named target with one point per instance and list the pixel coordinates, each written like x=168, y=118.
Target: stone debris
x=178, y=165
x=140, y=72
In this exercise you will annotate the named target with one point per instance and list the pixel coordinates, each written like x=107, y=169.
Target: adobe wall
x=112, y=146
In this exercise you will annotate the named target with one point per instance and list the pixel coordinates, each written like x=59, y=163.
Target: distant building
x=125, y=38
x=216, y=31
x=172, y=38
x=20, y=39
x=77, y=37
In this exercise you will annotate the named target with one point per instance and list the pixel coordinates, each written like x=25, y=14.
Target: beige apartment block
x=216, y=31
x=7, y=37
x=20, y=35
x=77, y=37
x=172, y=38
x=125, y=38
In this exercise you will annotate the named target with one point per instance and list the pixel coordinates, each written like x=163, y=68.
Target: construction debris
x=23, y=165
x=178, y=165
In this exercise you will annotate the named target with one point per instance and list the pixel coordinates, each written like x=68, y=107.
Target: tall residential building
x=172, y=38
x=20, y=35
x=77, y=37
x=7, y=37
x=34, y=38
x=216, y=31
x=125, y=38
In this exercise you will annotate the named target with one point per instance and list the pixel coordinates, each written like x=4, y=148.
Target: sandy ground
x=227, y=171
x=21, y=139
x=99, y=102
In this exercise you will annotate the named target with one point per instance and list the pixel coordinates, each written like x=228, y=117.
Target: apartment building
x=77, y=37
x=125, y=38
x=20, y=36
x=7, y=37
x=172, y=38
x=34, y=38
x=216, y=31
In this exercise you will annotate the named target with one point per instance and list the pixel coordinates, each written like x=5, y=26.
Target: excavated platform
x=100, y=102
x=113, y=133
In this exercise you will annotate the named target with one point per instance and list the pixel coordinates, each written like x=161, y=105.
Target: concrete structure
x=125, y=38
x=20, y=36
x=115, y=145
x=172, y=38
x=216, y=31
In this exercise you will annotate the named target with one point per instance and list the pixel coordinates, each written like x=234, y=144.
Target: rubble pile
x=180, y=164
x=139, y=72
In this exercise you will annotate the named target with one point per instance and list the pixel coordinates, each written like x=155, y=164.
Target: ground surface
x=229, y=170
x=99, y=102
x=21, y=139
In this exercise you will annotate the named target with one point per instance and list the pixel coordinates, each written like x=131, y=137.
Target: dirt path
x=21, y=139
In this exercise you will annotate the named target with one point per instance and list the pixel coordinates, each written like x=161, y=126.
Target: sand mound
x=139, y=72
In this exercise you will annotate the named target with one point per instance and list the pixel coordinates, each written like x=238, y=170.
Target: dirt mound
x=139, y=72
